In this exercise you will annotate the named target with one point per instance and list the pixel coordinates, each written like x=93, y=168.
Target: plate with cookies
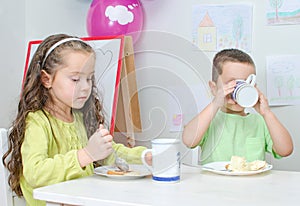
x=135, y=171
x=238, y=166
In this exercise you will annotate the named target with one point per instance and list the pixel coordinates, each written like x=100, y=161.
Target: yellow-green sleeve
x=42, y=163
x=131, y=155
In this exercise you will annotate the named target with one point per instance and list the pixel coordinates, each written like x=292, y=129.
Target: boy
x=223, y=129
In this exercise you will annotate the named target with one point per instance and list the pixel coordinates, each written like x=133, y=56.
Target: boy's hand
x=262, y=105
x=223, y=93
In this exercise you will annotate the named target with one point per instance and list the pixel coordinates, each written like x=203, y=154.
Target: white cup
x=245, y=93
x=165, y=160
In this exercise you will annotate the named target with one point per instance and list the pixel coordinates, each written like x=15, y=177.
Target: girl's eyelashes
x=75, y=79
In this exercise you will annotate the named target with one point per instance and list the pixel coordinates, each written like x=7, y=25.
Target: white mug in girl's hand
x=165, y=160
x=245, y=93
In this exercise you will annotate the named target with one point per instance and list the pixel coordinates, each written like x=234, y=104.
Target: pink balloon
x=115, y=17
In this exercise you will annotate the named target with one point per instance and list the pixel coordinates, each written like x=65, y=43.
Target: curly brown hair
x=34, y=97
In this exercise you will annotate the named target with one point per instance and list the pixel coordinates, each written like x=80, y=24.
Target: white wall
x=166, y=62
x=27, y=20
x=12, y=24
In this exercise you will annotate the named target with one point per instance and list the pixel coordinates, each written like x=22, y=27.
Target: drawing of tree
x=237, y=30
x=276, y=4
x=278, y=83
x=291, y=84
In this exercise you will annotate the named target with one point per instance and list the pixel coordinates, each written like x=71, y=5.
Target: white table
x=196, y=187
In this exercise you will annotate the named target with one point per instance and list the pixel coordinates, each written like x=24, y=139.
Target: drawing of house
x=207, y=34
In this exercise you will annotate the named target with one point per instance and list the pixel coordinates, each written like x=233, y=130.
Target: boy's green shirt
x=229, y=134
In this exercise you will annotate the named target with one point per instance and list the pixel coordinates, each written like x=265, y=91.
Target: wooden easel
x=128, y=120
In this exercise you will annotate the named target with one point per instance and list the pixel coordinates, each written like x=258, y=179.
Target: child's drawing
x=283, y=79
x=216, y=27
x=283, y=12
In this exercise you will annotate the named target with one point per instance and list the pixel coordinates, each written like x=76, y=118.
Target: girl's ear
x=213, y=87
x=46, y=79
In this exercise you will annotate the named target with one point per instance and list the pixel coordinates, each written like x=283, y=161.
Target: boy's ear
x=46, y=79
x=213, y=87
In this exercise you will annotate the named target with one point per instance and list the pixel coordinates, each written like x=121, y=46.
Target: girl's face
x=234, y=71
x=71, y=85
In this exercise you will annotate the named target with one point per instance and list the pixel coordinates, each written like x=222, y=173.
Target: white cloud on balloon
x=119, y=13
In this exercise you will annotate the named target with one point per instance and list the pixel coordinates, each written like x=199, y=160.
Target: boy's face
x=233, y=71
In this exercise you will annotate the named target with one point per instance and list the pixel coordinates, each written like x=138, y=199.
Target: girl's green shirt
x=49, y=152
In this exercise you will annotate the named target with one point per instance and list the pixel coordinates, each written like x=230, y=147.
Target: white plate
x=138, y=171
x=219, y=168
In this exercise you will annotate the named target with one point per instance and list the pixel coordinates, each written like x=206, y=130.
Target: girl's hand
x=99, y=145
x=262, y=105
x=148, y=158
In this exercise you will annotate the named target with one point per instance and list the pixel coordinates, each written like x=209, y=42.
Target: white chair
x=6, y=195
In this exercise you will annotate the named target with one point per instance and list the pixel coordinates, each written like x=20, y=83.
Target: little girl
x=58, y=110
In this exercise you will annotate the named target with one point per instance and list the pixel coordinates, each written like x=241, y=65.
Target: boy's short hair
x=228, y=55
